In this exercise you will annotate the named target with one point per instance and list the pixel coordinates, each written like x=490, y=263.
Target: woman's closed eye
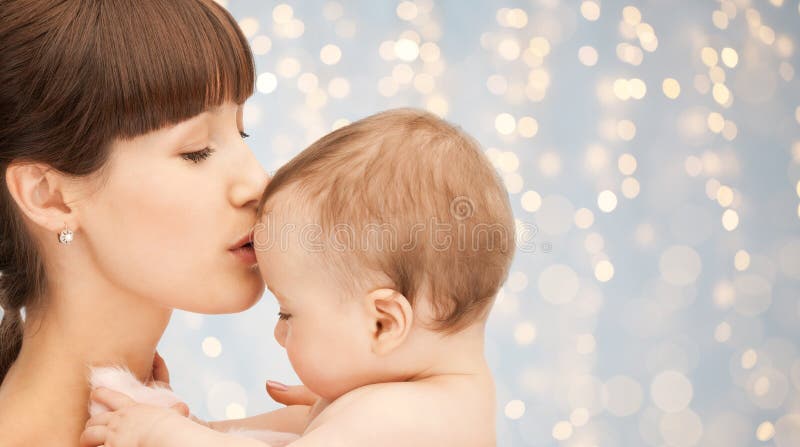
x=198, y=156
x=284, y=316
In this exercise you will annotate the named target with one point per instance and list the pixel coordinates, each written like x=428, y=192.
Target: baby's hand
x=129, y=424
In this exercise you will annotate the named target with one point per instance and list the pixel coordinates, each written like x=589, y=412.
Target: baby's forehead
x=282, y=258
x=289, y=202
x=287, y=235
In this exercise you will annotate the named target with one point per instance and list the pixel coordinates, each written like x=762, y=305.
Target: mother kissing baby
x=127, y=191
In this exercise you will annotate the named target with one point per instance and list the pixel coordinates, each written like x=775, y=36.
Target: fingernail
x=277, y=386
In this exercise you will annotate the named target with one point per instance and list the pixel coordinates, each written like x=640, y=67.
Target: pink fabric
x=121, y=380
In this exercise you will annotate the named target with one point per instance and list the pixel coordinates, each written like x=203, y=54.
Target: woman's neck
x=89, y=325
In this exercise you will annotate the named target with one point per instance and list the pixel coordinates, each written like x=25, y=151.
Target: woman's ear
x=391, y=317
x=38, y=191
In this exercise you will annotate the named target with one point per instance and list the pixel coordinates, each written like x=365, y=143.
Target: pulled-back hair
x=77, y=74
x=380, y=188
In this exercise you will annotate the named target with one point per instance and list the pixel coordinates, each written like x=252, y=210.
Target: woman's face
x=172, y=207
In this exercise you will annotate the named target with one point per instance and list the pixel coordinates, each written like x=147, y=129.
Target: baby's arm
x=389, y=415
x=181, y=433
x=300, y=405
x=130, y=424
x=292, y=419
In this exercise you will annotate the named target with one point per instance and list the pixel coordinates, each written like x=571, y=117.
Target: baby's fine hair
x=407, y=194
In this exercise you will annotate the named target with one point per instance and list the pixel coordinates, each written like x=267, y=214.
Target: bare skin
x=384, y=377
x=438, y=408
x=153, y=232
x=32, y=393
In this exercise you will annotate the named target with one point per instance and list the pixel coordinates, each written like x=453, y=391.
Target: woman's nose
x=251, y=180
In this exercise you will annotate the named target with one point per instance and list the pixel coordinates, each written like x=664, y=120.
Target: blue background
x=693, y=340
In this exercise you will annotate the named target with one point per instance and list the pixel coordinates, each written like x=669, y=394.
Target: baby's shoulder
x=364, y=399
x=415, y=397
x=441, y=410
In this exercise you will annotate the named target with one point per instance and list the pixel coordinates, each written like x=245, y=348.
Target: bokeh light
x=651, y=152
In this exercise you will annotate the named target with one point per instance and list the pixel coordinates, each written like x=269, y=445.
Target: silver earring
x=66, y=235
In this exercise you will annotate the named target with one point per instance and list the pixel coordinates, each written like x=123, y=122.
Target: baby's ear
x=391, y=318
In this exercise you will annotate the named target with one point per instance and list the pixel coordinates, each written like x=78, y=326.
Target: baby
x=385, y=243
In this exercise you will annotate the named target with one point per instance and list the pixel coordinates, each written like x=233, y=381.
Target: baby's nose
x=280, y=333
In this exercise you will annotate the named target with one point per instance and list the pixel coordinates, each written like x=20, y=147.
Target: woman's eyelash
x=197, y=157
x=283, y=316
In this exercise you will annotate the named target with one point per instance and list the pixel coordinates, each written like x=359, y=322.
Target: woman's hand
x=129, y=424
x=291, y=395
x=160, y=375
x=287, y=395
x=160, y=372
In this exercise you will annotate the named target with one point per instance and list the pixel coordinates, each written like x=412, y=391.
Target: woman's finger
x=111, y=399
x=100, y=419
x=290, y=395
x=94, y=436
x=160, y=370
x=181, y=408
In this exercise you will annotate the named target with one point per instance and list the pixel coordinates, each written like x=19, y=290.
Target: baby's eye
x=284, y=316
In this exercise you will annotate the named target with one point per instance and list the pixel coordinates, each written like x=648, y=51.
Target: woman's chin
x=235, y=300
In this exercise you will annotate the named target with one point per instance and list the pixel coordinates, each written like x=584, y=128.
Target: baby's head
x=381, y=233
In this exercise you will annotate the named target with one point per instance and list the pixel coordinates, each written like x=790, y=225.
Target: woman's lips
x=246, y=239
x=245, y=253
x=243, y=249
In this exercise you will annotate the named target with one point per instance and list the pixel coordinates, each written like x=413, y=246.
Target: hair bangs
x=164, y=62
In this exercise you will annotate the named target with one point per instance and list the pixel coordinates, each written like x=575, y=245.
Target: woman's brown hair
x=76, y=75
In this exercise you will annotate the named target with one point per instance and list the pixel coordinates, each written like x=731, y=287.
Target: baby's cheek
x=318, y=368
x=281, y=329
x=308, y=365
